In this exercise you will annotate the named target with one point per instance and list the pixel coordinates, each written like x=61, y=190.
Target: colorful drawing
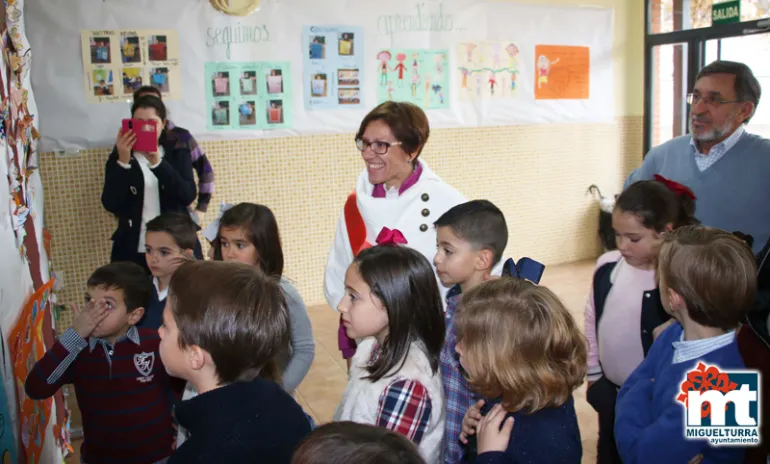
x=332, y=51
x=412, y=76
x=27, y=346
x=484, y=71
x=116, y=62
x=237, y=93
x=562, y=72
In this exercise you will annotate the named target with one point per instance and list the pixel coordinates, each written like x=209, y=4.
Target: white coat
x=413, y=213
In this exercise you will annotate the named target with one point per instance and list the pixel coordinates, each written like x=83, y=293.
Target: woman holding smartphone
x=138, y=186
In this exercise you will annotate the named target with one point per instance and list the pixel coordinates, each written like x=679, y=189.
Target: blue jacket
x=649, y=421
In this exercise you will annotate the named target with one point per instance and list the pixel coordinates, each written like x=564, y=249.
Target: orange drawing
x=562, y=72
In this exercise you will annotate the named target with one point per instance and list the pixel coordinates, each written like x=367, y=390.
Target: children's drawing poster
x=248, y=95
x=333, y=59
x=487, y=70
x=117, y=62
x=416, y=76
x=562, y=72
x=27, y=346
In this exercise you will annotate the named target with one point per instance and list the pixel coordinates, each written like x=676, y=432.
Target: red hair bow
x=390, y=237
x=675, y=187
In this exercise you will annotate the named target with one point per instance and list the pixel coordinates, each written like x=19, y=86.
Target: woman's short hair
x=518, y=341
x=714, y=271
x=407, y=121
x=346, y=442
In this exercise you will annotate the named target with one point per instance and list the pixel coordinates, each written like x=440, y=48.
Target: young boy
x=223, y=323
x=471, y=240
x=708, y=285
x=120, y=383
x=169, y=240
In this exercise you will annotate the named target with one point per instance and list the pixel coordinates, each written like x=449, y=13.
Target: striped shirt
x=688, y=350
x=200, y=163
x=123, y=393
x=705, y=161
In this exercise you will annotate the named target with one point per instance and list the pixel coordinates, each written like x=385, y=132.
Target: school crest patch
x=144, y=363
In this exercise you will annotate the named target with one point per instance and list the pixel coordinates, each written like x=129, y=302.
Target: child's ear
x=675, y=300
x=484, y=260
x=188, y=252
x=196, y=357
x=135, y=316
x=669, y=227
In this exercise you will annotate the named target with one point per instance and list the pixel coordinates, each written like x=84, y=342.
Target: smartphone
x=146, y=134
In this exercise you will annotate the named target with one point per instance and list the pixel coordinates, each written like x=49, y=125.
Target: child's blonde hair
x=520, y=342
x=714, y=271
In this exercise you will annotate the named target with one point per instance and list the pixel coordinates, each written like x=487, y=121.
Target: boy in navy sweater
x=121, y=386
x=708, y=285
x=223, y=325
x=169, y=237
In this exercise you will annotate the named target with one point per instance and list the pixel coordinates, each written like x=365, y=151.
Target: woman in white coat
x=396, y=190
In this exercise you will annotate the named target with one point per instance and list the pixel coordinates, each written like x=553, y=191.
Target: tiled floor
x=322, y=389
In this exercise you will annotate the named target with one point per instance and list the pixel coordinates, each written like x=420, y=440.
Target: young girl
x=522, y=350
x=393, y=305
x=248, y=233
x=624, y=307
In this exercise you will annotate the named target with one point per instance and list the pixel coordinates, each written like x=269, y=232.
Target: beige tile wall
x=536, y=174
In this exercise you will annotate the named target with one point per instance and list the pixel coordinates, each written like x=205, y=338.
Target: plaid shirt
x=457, y=392
x=404, y=406
x=200, y=163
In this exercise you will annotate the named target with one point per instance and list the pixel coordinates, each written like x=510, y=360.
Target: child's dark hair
x=404, y=281
x=179, y=226
x=235, y=313
x=343, y=442
x=152, y=102
x=480, y=223
x=127, y=277
x=261, y=228
x=146, y=90
x=656, y=205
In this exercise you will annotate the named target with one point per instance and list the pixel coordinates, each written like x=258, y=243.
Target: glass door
x=754, y=51
x=669, y=91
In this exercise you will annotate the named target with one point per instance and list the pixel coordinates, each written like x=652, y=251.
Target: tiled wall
x=537, y=175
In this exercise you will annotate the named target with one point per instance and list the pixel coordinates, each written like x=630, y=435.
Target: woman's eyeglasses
x=379, y=148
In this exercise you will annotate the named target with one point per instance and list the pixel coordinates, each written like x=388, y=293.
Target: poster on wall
x=333, y=74
x=117, y=62
x=416, y=76
x=27, y=346
x=562, y=72
x=248, y=95
x=487, y=70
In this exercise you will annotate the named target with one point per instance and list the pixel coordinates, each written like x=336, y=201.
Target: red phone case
x=146, y=134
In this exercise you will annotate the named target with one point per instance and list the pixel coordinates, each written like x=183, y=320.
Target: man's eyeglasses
x=694, y=98
x=379, y=148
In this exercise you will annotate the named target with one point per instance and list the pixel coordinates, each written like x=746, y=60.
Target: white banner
x=471, y=63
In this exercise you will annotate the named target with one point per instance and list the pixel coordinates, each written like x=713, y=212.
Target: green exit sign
x=726, y=12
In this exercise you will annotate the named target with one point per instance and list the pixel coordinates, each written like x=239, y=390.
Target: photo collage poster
x=117, y=62
x=333, y=59
x=248, y=95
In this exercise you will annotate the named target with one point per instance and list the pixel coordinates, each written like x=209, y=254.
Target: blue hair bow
x=526, y=268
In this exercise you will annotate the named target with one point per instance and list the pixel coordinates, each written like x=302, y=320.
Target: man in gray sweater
x=727, y=168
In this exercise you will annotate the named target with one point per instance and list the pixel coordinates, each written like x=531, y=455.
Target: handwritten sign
x=562, y=72
x=421, y=19
x=235, y=35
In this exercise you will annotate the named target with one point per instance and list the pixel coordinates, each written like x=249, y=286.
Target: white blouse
x=151, y=200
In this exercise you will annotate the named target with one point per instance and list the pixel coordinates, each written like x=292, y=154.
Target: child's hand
x=87, y=319
x=491, y=436
x=470, y=421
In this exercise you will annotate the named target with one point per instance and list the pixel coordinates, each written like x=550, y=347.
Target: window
x=680, y=41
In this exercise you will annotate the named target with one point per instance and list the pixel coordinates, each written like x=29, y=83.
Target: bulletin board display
x=466, y=62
